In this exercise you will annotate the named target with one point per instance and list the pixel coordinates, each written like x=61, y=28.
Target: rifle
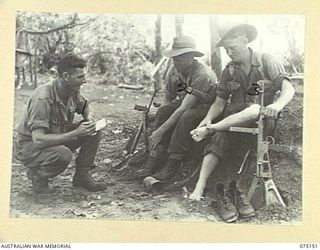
x=142, y=128
x=263, y=173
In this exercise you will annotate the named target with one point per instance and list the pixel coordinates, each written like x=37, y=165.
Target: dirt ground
x=127, y=199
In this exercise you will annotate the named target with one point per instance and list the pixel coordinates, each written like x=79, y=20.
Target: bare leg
x=210, y=161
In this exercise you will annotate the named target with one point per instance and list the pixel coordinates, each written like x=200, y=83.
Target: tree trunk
x=35, y=82
x=215, y=52
x=30, y=69
x=292, y=49
x=158, y=52
x=19, y=40
x=178, y=19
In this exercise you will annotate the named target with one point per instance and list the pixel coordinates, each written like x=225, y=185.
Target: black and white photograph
x=158, y=117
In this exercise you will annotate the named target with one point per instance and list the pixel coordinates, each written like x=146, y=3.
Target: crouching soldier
x=47, y=135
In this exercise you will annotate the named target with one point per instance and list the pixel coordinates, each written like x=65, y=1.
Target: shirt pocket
x=237, y=102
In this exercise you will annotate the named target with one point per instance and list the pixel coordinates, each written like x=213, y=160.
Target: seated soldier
x=47, y=135
x=190, y=87
x=240, y=75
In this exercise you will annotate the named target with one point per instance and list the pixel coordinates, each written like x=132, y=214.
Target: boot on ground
x=168, y=171
x=240, y=201
x=83, y=179
x=152, y=166
x=40, y=185
x=223, y=206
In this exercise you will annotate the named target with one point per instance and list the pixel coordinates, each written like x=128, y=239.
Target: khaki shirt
x=201, y=79
x=235, y=84
x=45, y=109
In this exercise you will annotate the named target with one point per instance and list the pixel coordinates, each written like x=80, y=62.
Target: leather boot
x=152, y=165
x=224, y=207
x=82, y=178
x=169, y=170
x=39, y=184
x=240, y=201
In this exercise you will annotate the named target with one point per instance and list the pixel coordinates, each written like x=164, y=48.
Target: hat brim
x=177, y=52
x=249, y=30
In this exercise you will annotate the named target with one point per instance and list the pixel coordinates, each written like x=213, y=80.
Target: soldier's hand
x=87, y=128
x=205, y=122
x=155, y=139
x=272, y=110
x=199, y=134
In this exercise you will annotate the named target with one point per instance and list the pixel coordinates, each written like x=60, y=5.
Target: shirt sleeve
x=275, y=71
x=222, y=90
x=203, y=88
x=39, y=114
x=170, y=84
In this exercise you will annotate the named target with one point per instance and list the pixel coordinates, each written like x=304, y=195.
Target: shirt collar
x=57, y=98
x=191, y=71
x=254, y=58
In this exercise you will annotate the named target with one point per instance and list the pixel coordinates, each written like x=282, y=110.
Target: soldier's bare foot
x=197, y=195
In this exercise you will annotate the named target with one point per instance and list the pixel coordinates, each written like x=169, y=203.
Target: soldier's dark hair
x=69, y=62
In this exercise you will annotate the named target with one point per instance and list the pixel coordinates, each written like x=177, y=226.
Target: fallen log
x=127, y=86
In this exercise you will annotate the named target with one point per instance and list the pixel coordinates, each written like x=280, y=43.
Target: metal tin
x=152, y=185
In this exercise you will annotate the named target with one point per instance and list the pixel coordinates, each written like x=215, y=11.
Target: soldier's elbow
x=38, y=141
x=253, y=111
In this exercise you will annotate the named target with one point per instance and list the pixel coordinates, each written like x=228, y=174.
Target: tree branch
x=70, y=25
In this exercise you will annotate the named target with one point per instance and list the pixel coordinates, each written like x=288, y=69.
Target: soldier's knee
x=163, y=114
x=92, y=139
x=219, y=136
x=188, y=115
x=63, y=155
x=163, y=110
